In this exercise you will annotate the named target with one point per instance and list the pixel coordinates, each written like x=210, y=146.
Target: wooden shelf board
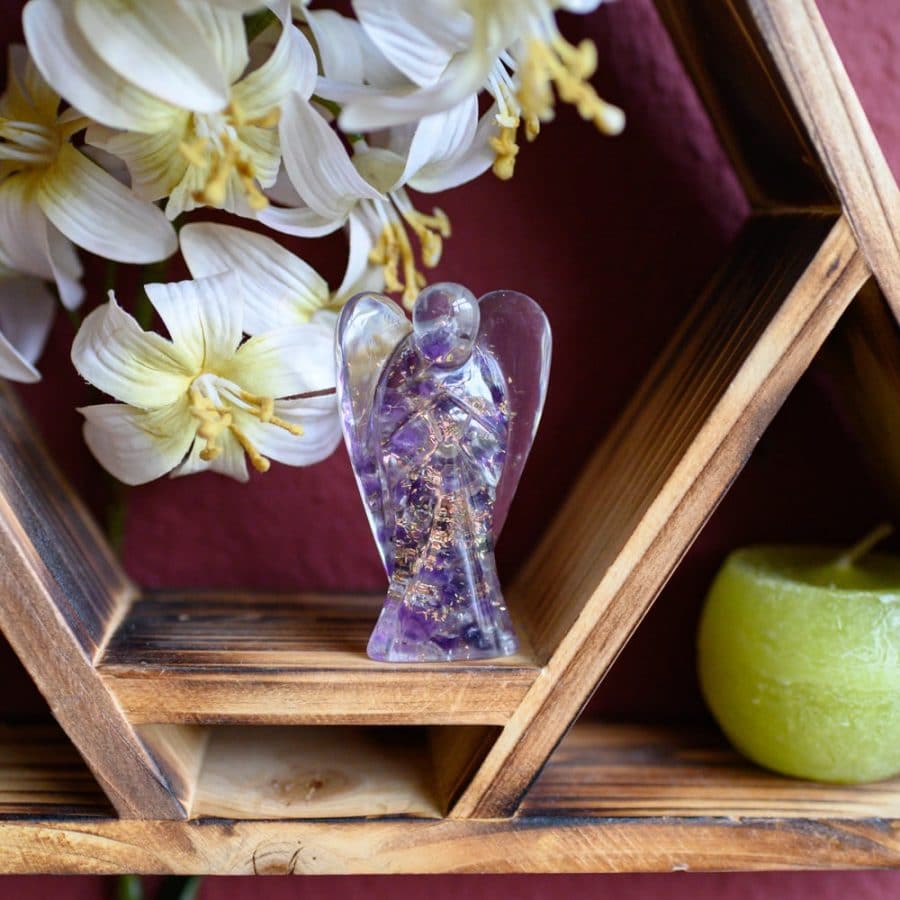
x=323, y=772
x=237, y=658
x=614, y=798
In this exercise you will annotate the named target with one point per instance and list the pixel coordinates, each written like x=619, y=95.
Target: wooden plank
x=642, y=770
x=812, y=825
x=647, y=492
x=316, y=773
x=42, y=776
x=863, y=359
x=61, y=594
x=282, y=660
x=748, y=103
x=800, y=46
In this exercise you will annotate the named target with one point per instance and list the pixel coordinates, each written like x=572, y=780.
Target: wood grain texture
x=759, y=821
x=863, y=360
x=645, y=495
x=282, y=660
x=61, y=593
x=641, y=770
x=316, y=773
x=748, y=103
x=42, y=776
x=822, y=94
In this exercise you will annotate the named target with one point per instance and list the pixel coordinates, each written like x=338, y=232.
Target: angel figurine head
x=439, y=416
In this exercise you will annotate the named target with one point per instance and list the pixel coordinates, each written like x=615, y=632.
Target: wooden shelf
x=614, y=798
x=316, y=773
x=290, y=660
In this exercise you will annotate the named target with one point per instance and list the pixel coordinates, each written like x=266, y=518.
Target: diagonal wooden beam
x=645, y=496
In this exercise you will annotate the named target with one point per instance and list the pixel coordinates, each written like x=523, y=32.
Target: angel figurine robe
x=438, y=418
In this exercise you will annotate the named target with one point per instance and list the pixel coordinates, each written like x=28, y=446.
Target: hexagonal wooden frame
x=143, y=683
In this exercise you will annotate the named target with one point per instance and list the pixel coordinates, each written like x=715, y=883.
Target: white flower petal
x=66, y=266
x=301, y=221
x=464, y=76
x=138, y=446
x=291, y=67
x=27, y=309
x=279, y=289
x=317, y=163
x=317, y=416
x=231, y=461
x=348, y=54
x=138, y=367
x=417, y=38
x=360, y=273
x=442, y=136
x=160, y=47
x=14, y=366
x=94, y=211
x=74, y=69
x=154, y=161
x=223, y=31
x=203, y=317
x=23, y=228
x=286, y=362
x=464, y=165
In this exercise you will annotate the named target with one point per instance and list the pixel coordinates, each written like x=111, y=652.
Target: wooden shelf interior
x=324, y=772
x=233, y=658
x=614, y=798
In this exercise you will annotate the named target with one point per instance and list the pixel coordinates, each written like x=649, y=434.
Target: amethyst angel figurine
x=439, y=417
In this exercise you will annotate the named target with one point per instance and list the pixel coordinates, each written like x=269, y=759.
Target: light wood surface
x=61, y=594
x=647, y=492
x=593, y=810
x=316, y=773
x=845, y=145
x=281, y=660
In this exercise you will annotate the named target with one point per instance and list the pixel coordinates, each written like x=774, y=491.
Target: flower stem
x=116, y=513
x=143, y=310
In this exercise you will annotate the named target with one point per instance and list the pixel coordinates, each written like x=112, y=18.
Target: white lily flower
x=279, y=288
x=187, y=149
x=367, y=192
x=26, y=314
x=450, y=49
x=161, y=47
x=51, y=192
x=202, y=400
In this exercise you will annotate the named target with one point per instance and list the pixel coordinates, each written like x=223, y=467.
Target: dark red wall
x=614, y=237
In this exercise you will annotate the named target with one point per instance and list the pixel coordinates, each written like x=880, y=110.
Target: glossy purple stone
x=438, y=420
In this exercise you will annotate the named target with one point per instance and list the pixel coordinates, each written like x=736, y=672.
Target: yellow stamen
x=568, y=68
x=216, y=420
x=193, y=151
x=506, y=150
x=393, y=249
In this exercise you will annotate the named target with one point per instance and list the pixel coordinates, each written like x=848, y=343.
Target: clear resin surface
x=439, y=416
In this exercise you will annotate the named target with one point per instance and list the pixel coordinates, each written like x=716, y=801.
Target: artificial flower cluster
x=120, y=117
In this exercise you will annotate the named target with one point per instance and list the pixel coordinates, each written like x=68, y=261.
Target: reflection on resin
x=439, y=418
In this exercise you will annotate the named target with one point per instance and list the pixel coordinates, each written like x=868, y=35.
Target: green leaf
x=256, y=23
x=179, y=887
x=129, y=887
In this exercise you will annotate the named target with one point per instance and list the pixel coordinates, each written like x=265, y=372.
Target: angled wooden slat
x=643, y=498
x=61, y=595
x=616, y=798
x=290, y=660
x=798, y=41
x=748, y=103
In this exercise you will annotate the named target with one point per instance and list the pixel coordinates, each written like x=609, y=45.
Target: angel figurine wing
x=515, y=332
x=369, y=330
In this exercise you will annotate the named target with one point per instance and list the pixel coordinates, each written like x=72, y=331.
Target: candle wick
x=863, y=547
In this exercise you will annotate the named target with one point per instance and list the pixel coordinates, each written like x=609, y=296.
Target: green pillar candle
x=799, y=660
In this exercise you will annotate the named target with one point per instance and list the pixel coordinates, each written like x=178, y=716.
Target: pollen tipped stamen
x=561, y=65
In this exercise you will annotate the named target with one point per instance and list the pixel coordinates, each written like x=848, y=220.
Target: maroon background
x=614, y=237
